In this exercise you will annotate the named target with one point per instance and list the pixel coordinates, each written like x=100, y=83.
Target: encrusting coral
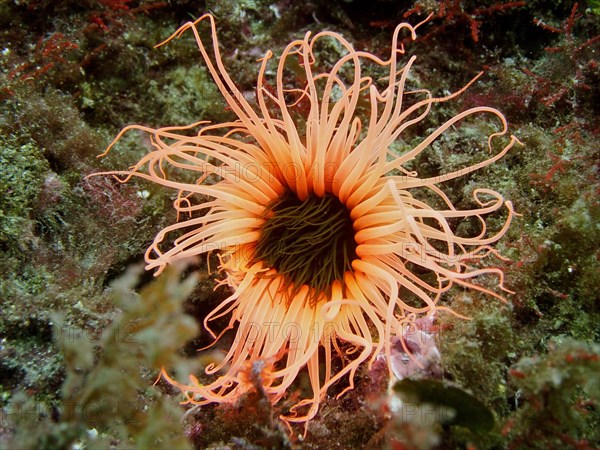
x=326, y=239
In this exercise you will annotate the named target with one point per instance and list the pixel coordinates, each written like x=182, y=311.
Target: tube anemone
x=320, y=235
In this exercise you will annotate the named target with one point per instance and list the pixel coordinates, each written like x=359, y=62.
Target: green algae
x=186, y=93
x=107, y=395
x=558, y=392
x=22, y=174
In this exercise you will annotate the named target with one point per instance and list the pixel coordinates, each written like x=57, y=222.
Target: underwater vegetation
x=84, y=333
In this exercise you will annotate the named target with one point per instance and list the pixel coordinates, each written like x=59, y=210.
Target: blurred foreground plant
x=108, y=398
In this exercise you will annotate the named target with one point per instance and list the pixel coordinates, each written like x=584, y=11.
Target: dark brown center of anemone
x=308, y=242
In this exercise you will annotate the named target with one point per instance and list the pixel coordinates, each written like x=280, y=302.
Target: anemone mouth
x=308, y=242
